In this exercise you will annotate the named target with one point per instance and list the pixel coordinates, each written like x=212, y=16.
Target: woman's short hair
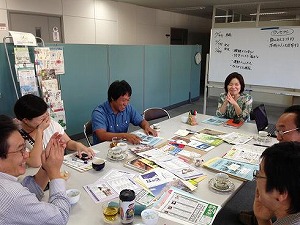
x=232, y=76
x=30, y=106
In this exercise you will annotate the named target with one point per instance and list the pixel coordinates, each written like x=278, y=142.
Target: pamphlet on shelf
x=181, y=207
x=239, y=170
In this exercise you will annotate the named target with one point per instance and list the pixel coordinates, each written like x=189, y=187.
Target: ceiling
x=289, y=9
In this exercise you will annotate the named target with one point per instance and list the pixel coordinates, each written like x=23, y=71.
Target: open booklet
x=235, y=138
x=181, y=207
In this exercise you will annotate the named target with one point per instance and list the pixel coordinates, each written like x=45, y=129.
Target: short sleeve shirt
x=104, y=118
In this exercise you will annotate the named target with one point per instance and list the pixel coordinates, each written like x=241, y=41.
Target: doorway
x=47, y=27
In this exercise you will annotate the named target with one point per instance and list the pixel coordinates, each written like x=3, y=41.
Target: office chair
x=88, y=131
x=155, y=113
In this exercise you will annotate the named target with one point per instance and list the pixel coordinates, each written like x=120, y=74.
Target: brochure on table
x=109, y=187
x=245, y=153
x=148, y=139
x=184, y=208
x=239, y=170
x=172, y=163
x=236, y=138
x=78, y=164
x=215, y=120
x=208, y=139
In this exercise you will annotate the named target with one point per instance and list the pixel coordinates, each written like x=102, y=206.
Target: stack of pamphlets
x=235, y=138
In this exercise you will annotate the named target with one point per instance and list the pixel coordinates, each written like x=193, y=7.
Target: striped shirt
x=292, y=219
x=20, y=203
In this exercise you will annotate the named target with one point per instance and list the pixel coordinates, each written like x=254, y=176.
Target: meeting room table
x=86, y=211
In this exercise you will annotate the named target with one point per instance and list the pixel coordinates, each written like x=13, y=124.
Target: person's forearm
x=34, y=159
x=237, y=109
x=41, y=178
x=144, y=125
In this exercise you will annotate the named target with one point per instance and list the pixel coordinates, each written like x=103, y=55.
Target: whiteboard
x=264, y=56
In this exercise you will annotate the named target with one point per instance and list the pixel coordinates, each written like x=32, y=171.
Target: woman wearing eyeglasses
x=37, y=127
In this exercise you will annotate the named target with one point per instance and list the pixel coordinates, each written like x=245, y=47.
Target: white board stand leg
x=205, y=84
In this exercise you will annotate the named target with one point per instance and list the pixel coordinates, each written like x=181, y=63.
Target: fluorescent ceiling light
x=268, y=13
x=223, y=16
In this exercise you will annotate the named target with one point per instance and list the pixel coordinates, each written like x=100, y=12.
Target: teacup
x=98, y=164
x=115, y=152
x=123, y=146
x=263, y=136
x=221, y=180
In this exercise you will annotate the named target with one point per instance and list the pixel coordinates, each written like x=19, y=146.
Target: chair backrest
x=88, y=131
x=155, y=113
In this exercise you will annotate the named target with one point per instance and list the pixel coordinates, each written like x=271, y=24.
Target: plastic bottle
x=127, y=206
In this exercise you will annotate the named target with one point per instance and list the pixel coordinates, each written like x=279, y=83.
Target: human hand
x=230, y=99
x=90, y=152
x=150, y=131
x=133, y=139
x=44, y=124
x=53, y=156
x=261, y=212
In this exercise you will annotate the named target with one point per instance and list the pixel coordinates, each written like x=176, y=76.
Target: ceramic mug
x=115, y=152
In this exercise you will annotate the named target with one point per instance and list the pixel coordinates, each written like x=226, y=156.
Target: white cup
x=184, y=119
x=115, y=152
x=123, y=146
x=221, y=180
x=263, y=136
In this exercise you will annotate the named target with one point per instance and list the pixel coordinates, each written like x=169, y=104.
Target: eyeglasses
x=256, y=175
x=281, y=133
x=22, y=151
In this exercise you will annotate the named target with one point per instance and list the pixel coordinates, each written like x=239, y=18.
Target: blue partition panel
x=127, y=63
x=157, y=76
x=180, y=73
x=84, y=84
x=7, y=92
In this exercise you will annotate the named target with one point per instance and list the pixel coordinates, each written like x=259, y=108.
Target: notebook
x=261, y=120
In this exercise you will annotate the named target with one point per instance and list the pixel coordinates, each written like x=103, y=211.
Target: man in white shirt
x=20, y=202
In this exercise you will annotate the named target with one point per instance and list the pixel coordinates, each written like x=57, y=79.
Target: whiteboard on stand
x=264, y=56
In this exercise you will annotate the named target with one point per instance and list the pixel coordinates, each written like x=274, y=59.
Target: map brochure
x=208, y=139
x=148, y=139
x=181, y=207
x=239, y=170
x=215, y=120
x=245, y=153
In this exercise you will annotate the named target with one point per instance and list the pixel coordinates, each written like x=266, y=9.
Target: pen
x=261, y=145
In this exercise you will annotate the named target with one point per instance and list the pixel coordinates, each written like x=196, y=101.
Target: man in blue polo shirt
x=112, y=118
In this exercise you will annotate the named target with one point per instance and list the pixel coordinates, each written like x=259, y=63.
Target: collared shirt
x=20, y=203
x=292, y=219
x=244, y=102
x=104, y=118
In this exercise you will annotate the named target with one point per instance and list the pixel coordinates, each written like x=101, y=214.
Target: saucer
x=229, y=187
x=122, y=156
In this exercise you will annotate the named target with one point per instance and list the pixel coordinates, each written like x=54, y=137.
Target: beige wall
x=107, y=22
